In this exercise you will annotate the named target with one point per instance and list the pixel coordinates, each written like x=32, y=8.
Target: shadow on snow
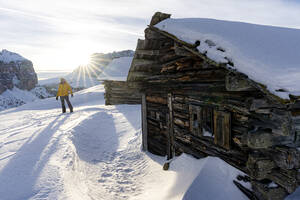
x=95, y=138
x=20, y=174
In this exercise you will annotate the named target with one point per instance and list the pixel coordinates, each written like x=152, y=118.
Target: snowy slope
x=117, y=70
x=95, y=153
x=267, y=54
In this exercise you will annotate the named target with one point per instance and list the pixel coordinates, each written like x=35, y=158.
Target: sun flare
x=84, y=60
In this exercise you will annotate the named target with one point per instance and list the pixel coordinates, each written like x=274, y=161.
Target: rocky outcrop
x=16, y=71
x=158, y=17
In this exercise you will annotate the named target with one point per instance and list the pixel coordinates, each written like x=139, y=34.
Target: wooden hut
x=192, y=104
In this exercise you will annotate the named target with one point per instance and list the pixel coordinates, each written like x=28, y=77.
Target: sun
x=84, y=60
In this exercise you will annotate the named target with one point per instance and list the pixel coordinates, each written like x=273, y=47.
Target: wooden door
x=222, y=129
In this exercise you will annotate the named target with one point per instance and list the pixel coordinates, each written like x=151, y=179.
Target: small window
x=207, y=117
x=195, y=120
x=157, y=116
x=152, y=114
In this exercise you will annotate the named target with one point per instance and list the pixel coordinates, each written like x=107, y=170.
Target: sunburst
x=89, y=72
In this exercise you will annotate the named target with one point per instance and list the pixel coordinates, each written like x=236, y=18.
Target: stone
x=286, y=158
x=259, y=140
x=237, y=83
x=158, y=17
x=262, y=191
x=259, y=166
x=20, y=74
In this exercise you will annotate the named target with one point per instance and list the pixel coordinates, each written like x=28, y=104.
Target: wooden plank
x=144, y=123
x=191, y=118
x=227, y=131
x=156, y=99
x=181, y=122
x=222, y=129
x=171, y=127
x=199, y=132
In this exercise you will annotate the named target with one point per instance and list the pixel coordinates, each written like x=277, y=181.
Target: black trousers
x=62, y=99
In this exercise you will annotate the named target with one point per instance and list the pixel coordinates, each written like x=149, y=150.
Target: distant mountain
x=16, y=71
x=99, y=61
x=89, y=75
x=113, y=55
x=18, y=81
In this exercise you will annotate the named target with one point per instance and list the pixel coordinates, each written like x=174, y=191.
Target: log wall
x=122, y=92
x=197, y=106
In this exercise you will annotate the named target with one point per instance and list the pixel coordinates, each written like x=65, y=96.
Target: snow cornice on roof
x=266, y=77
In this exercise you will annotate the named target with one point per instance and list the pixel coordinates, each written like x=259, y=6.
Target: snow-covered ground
x=95, y=153
x=267, y=54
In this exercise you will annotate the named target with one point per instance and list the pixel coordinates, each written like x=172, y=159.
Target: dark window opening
x=207, y=116
x=157, y=116
x=201, y=120
x=152, y=114
x=195, y=120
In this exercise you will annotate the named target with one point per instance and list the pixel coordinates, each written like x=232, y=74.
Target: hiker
x=63, y=92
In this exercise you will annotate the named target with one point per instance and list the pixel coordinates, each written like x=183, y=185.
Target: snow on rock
x=15, y=97
x=41, y=92
x=267, y=54
x=7, y=56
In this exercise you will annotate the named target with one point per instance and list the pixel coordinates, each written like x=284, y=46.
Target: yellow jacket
x=64, y=89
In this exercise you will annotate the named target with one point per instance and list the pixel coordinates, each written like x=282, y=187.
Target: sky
x=61, y=34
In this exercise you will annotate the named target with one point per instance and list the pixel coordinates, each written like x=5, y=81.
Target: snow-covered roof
x=7, y=56
x=266, y=54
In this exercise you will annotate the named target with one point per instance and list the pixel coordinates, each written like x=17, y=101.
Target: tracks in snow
x=104, y=157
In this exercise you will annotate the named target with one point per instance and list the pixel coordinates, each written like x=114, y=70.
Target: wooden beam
x=171, y=127
x=144, y=123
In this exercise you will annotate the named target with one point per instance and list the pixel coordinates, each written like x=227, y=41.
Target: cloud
x=50, y=33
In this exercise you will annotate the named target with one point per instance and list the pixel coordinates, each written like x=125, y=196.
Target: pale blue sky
x=61, y=34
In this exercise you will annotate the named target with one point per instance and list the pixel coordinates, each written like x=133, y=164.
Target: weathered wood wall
x=122, y=92
x=187, y=95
